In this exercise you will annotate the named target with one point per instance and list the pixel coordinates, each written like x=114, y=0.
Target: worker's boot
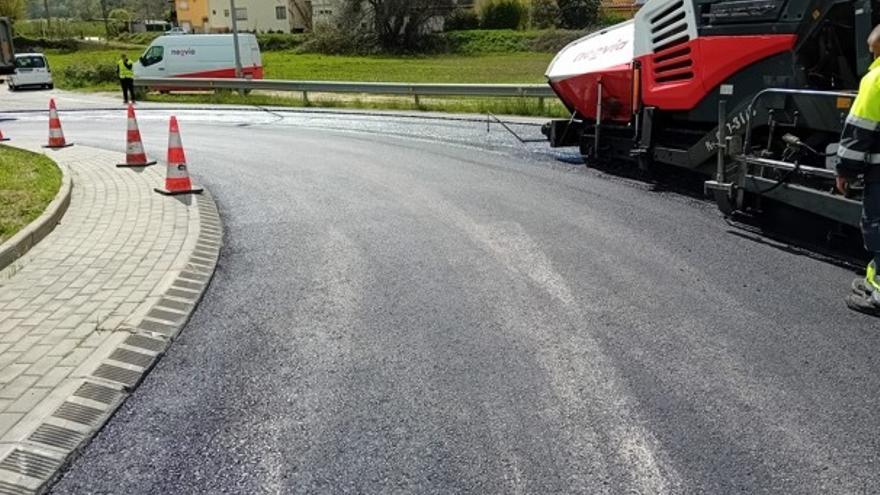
x=863, y=304
x=860, y=287
x=865, y=297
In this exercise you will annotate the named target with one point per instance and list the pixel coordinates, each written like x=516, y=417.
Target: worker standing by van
x=859, y=154
x=125, y=71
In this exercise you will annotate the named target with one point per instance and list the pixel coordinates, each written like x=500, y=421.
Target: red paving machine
x=751, y=94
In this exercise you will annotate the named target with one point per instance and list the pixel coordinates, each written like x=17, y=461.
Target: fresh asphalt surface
x=416, y=306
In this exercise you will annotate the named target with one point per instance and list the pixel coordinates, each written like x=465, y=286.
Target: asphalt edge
x=18, y=245
x=49, y=449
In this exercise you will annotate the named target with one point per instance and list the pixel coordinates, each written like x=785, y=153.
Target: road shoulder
x=87, y=312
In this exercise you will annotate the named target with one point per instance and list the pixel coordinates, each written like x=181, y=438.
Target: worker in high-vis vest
x=125, y=71
x=859, y=155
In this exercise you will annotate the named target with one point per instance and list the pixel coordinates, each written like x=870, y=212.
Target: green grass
x=499, y=68
x=28, y=182
x=499, y=106
x=495, y=68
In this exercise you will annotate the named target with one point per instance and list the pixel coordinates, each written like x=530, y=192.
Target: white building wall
x=254, y=15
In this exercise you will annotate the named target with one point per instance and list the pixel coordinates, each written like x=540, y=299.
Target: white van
x=31, y=70
x=200, y=55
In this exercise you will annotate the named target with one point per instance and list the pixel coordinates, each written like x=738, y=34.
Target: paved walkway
x=87, y=311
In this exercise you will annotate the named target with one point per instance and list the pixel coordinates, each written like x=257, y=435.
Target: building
x=192, y=15
x=258, y=16
x=325, y=12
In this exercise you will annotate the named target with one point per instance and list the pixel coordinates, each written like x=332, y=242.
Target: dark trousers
x=871, y=219
x=127, y=89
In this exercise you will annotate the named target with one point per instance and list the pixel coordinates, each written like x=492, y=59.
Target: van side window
x=153, y=55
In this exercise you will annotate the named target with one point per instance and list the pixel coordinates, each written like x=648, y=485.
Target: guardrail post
x=417, y=99
x=306, y=99
x=541, y=103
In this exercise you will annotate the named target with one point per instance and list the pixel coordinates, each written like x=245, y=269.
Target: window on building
x=241, y=13
x=280, y=13
x=226, y=13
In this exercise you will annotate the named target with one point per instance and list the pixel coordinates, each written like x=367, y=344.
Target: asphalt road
x=416, y=306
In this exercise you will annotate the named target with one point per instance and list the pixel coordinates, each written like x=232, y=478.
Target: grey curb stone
x=34, y=232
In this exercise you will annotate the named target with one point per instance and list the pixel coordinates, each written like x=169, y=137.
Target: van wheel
x=50, y=86
x=11, y=88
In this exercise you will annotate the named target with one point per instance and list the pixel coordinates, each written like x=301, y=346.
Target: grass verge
x=28, y=182
x=81, y=69
x=499, y=106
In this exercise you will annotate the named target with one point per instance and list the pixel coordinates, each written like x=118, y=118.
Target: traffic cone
x=2, y=137
x=56, y=135
x=177, y=178
x=134, y=147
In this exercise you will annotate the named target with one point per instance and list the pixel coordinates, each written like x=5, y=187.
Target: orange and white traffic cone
x=56, y=135
x=177, y=179
x=134, y=147
x=2, y=137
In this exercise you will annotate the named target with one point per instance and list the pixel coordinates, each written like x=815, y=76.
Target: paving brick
x=28, y=400
x=76, y=357
x=34, y=354
x=11, y=372
x=43, y=366
x=25, y=343
x=17, y=387
x=55, y=376
x=8, y=420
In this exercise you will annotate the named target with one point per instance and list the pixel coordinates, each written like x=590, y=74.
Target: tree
x=14, y=9
x=400, y=24
x=544, y=14
x=578, y=14
x=502, y=14
x=118, y=22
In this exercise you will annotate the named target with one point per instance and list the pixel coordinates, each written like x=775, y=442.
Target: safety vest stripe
x=863, y=123
x=857, y=156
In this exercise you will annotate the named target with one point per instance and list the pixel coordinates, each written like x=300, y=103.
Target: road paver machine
x=752, y=94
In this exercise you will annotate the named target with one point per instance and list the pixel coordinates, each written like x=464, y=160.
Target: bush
x=544, y=14
x=335, y=41
x=462, y=19
x=138, y=38
x=59, y=28
x=80, y=75
x=578, y=14
x=553, y=40
x=502, y=14
x=23, y=44
x=118, y=22
x=281, y=41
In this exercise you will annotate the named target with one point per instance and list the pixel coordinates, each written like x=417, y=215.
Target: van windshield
x=30, y=62
x=152, y=56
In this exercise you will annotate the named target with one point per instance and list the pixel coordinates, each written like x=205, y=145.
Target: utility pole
x=235, y=39
x=106, y=20
x=48, y=16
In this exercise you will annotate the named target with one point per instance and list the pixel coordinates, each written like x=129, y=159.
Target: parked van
x=31, y=70
x=200, y=55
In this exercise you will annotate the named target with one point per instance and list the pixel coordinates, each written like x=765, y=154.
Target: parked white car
x=31, y=70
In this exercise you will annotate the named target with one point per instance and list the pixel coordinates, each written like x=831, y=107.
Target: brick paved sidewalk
x=88, y=310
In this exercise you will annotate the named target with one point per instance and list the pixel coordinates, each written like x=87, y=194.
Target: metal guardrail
x=377, y=88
